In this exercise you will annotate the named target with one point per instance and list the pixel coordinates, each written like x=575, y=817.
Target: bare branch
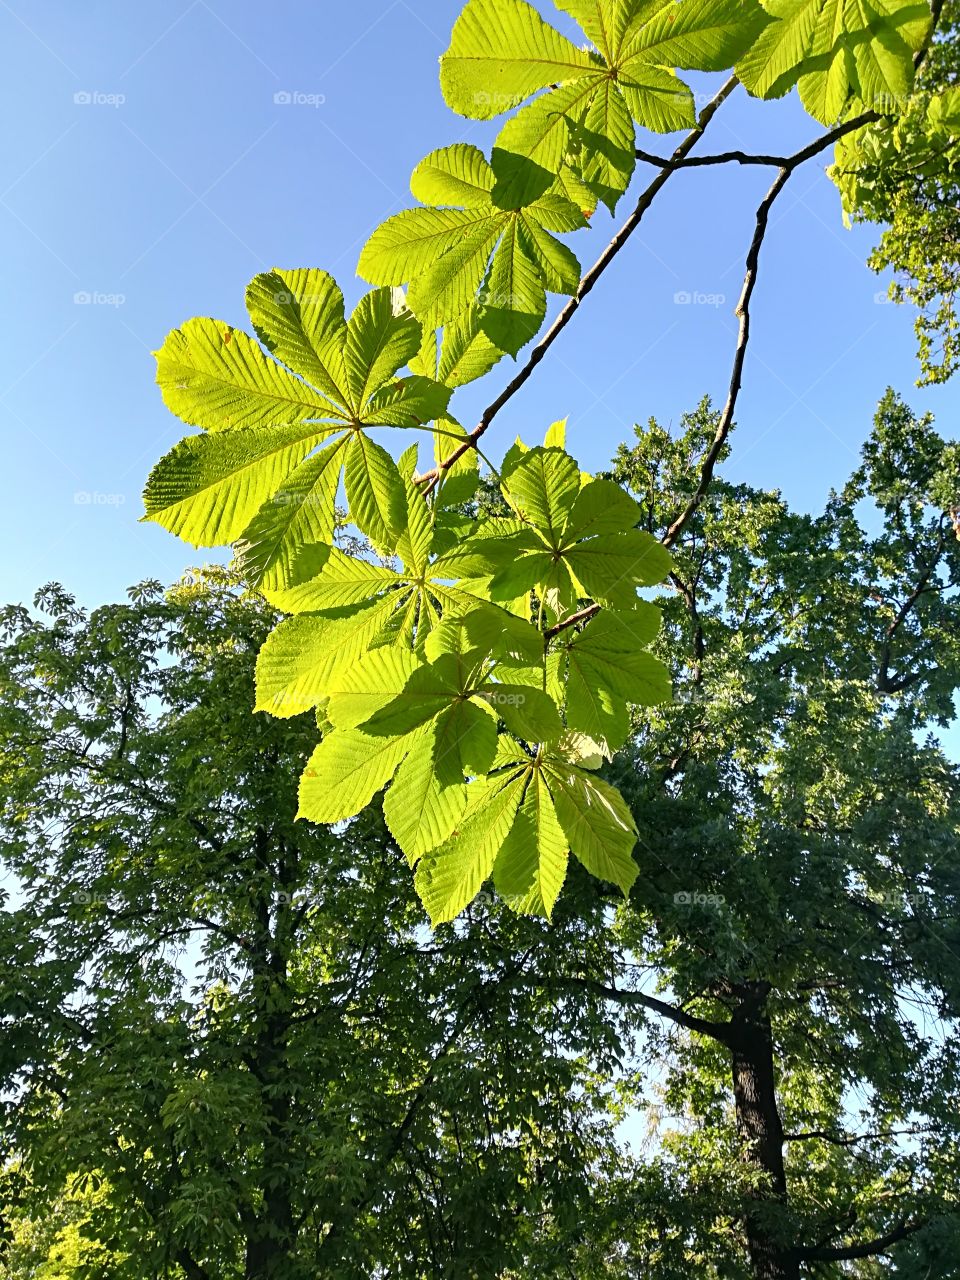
x=868, y=1249
x=712, y=456
x=702, y=1026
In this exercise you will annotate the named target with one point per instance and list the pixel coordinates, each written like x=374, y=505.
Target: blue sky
x=151, y=168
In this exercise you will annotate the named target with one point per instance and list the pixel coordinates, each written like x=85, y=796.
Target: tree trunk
x=271, y=1231
x=761, y=1131
x=272, y=1235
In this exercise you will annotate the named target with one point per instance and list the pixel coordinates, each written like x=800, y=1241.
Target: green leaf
x=298, y=316
x=355, y=691
x=209, y=487
x=608, y=141
x=408, y=244
x=289, y=538
x=657, y=98
x=466, y=740
x=527, y=712
x=430, y=690
x=447, y=256
x=380, y=339
x=541, y=488
x=300, y=655
x=531, y=147
x=375, y=492
x=213, y=376
x=698, y=35
x=457, y=175
x=837, y=50
x=611, y=567
x=556, y=437
x=416, y=537
x=248, y=479
x=608, y=669
x=557, y=265
x=449, y=877
x=501, y=51
x=596, y=822
x=602, y=507
x=346, y=771
x=514, y=299
x=464, y=353
x=345, y=580
x=421, y=809
x=450, y=285
x=532, y=863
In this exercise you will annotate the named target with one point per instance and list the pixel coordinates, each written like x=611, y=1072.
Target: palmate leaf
x=520, y=826
x=532, y=863
x=607, y=669
x=502, y=53
x=573, y=542
x=488, y=264
x=253, y=477
x=842, y=53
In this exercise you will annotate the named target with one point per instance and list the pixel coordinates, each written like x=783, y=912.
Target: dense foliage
x=905, y=173
x=231, y=1047
x=314, y=1083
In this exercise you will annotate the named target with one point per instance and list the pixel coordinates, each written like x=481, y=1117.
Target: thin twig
x=712, y=455
x=773, y=162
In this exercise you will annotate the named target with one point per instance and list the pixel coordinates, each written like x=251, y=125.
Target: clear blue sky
x=180, y=178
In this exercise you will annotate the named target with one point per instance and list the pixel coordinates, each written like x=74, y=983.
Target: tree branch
x=868, y=1249
x=885, y=683
x=702, y=1026
x=776, y=162
x=712, y=456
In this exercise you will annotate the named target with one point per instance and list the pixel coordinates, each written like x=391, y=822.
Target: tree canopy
x=520, y=872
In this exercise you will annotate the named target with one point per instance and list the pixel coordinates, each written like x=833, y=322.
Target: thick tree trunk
x=271, y=1230
x=761, y=1130
x=272, y=1236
